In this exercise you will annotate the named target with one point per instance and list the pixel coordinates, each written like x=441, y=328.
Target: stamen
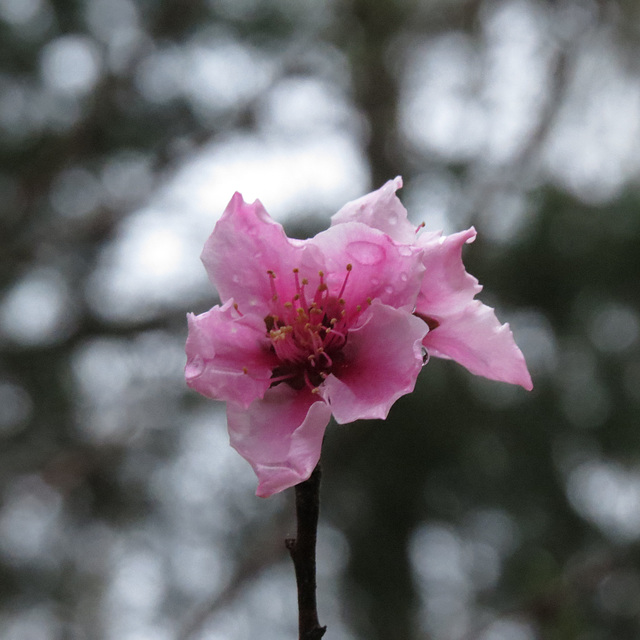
x=310, y=384
x=235, y=306
x=422, y=225
x=344, y=284
x=300, y=290
x=317, y=299
x=276, y=379
x=272, y=277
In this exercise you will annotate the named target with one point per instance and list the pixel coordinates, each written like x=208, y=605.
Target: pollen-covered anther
x=245, y=370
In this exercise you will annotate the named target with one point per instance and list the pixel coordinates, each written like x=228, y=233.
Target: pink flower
x=335, y=324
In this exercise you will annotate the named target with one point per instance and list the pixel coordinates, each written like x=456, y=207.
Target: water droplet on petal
x=425, y=356
x=194, y=368
x=365, y=252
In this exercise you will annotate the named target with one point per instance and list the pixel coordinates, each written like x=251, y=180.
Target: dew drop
x=194, y=368
x=366, y=253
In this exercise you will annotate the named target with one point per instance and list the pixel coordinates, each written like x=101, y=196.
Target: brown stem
x=302, y=549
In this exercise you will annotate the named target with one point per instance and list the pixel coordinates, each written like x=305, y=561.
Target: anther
x=245, y=370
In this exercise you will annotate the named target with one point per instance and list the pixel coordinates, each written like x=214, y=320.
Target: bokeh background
x=477, y=511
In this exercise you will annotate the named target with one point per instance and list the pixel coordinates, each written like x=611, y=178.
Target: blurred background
x=477, y=511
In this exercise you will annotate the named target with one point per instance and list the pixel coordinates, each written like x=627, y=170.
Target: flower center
x=308, y=334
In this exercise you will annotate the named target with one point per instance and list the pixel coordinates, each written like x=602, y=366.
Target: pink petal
x=464, y=329
x=383, y=358
x=381, y=210
x=381, y=268
x=244, y=245
x=447, y=286
x=228, y=356
x=474, y=338
x=280, y=436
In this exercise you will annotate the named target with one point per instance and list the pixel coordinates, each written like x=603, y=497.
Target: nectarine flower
x=333, y=325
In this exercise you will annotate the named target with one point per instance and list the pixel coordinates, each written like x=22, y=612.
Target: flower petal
x=228, y=355
x=244, y=245
x=381, y=268
x=464, y=329
x=381, y=210
x=446, y=287
x=280, y=436
x=383, y=358
x=475, y=339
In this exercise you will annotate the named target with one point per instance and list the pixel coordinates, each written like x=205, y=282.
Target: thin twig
x=303, y=553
